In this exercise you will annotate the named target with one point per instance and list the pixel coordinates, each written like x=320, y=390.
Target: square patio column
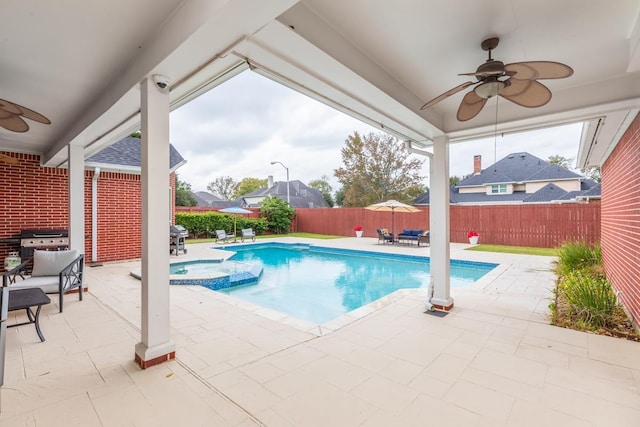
x=156, y=346
x=76, y=197
x=439, y=224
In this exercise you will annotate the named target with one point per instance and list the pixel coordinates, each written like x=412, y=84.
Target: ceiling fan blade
x=470, y=106
x=14, y=123
x=9, y=107
x=8, y=159
x=533, y=70
x=447, y=94
x=526, y=93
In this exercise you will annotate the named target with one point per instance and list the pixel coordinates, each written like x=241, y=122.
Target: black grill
x=42, y=239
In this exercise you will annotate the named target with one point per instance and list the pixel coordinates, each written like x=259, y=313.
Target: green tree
x=592, y=172
x=277, y=213
x=223, y=187
x=561, y=161
x=183, y=194
x=377, y=168
x=248, y=185
x=324, y=187
x=136, y=135
x=340, y=196
x=454, y=180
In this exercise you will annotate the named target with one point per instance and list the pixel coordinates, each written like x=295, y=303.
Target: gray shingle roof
x=546, y=194
x=518, y=167
x=300, y=195
x=128, y=152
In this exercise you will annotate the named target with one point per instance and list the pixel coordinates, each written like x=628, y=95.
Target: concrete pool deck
x=493, y=360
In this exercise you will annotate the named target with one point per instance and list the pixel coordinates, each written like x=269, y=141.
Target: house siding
x=621, y=219
x=37, y=197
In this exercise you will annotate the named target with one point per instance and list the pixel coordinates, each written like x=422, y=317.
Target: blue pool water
x=319, y=284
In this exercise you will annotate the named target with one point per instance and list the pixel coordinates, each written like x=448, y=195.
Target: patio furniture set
x=25, y=286
x=407, y=236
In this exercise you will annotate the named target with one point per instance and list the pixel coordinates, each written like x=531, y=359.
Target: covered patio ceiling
x=80, y=63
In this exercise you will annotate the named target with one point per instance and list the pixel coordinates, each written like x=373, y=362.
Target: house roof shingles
x=128, y=152
x=519, y=168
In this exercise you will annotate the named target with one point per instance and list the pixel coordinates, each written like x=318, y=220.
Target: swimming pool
x=318, y=284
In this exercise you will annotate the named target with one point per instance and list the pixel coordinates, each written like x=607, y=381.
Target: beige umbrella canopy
x=392, y=206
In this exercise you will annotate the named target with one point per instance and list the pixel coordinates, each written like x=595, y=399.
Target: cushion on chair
x=47, y=283
x=51, y=263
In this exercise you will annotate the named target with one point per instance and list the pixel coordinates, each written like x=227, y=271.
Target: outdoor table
x=25, y=299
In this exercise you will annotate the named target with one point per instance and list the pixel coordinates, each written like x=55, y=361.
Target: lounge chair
x=384, y=236
x=247, y=233
x=55, y=272
x=222, y=236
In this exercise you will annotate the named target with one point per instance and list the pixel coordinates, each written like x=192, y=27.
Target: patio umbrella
x=392, y=206
x=234, y=210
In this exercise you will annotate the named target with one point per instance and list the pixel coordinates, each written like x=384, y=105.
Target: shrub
x=277, y=213
x=205, y=224
x=574, y=256
x=590, y=297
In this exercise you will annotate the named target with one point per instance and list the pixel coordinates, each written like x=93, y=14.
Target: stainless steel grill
x=42, y=239
x=177, y=234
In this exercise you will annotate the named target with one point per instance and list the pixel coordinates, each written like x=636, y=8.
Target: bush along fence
x=205, y=224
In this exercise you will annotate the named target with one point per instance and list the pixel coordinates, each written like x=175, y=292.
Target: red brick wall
x=37, y=197
x=621, y=219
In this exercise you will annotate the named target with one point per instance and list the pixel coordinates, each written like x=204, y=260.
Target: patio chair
x=222, y=236
x=247, y=233
x=384, y=236
x=424, y=238
x=55, y=272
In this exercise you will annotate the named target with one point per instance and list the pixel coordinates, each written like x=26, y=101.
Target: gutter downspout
x=94, y=215
x=412, y=149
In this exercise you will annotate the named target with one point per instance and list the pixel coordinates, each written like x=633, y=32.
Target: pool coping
x=353, y=315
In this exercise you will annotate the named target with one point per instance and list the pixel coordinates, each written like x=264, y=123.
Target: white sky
x=238, y=128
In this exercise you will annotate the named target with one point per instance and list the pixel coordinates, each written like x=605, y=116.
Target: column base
x=442, y=304
x=146, y=357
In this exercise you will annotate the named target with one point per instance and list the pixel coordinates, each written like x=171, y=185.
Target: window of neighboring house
x=499, y=189
x=303, y=192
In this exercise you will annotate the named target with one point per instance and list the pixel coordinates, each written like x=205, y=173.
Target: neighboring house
x=520, y=178
x=205, y=199
x=300, y=195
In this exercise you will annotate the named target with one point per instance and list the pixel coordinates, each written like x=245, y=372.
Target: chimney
x=477, y=164
x=270, y=181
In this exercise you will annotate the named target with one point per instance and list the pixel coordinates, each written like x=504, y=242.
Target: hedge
x=205, y=224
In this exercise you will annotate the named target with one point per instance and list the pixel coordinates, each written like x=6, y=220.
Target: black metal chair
x=55, y=272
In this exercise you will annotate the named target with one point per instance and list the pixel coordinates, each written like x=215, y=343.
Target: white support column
x=76, y=197
x=156, y=346
x=439, y=224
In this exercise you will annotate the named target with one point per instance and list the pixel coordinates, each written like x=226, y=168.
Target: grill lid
x=43, y=233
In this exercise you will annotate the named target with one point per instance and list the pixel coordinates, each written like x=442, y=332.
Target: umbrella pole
x=393, y=227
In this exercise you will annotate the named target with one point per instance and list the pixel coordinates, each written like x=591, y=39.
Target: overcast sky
x=238, y=128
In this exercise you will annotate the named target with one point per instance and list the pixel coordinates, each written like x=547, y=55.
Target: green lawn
x=514, y=250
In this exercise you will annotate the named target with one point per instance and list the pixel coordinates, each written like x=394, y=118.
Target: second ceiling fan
x=517, y=82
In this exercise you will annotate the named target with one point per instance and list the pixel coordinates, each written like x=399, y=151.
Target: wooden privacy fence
x=539, y=225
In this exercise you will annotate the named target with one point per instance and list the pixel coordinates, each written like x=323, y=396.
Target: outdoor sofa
x=411, y=235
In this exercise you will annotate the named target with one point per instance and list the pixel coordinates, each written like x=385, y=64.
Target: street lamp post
x=287, y=169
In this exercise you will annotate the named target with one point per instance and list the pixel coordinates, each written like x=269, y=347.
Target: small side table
x=20, y=299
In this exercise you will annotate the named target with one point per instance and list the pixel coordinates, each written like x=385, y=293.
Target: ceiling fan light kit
x=517, y=82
